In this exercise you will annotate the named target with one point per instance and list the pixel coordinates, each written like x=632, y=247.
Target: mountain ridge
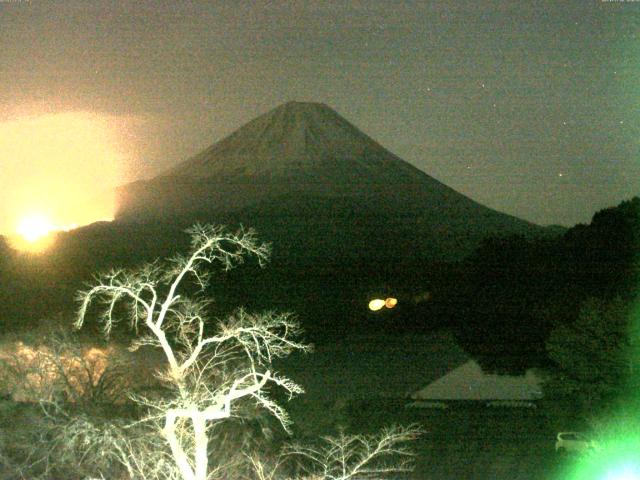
x=304, y=135
x=302, y=150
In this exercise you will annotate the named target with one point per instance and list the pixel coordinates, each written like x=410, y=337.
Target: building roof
x=469, y=382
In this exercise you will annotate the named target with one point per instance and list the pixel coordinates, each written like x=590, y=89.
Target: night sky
x=529, y=107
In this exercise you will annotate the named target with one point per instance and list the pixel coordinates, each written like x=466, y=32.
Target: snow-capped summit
x=301, y=142
x=304, y=165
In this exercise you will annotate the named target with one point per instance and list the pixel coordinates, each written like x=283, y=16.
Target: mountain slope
x=305, y=142
x=303, y=170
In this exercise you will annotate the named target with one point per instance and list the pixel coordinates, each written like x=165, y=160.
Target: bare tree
x=208, y=374
x=67, y=392
x=51, y=362
x=350, y=457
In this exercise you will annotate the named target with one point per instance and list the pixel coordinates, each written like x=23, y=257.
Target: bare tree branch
x=209, y=374
x=360, y=456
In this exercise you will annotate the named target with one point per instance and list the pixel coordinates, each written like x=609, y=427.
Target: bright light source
x=616, y=455
x=627, y=472
x=390, y=302
x=33, y=227
x=376, y=304
x=34, y=233
x=57, y=169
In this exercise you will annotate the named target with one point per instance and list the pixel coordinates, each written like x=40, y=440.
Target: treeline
x=503, y=300
x=517, y=291
x=40, y=287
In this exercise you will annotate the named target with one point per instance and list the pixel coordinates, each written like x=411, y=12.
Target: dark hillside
x=516, y=290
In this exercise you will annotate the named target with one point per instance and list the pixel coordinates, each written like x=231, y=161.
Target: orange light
x=63, y=169
x=390, y=302
x=35, y=233
x=34, y=227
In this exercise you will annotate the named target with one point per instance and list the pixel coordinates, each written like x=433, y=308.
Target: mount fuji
x=315, y=185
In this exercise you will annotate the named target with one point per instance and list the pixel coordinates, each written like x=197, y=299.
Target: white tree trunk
x=201, y=443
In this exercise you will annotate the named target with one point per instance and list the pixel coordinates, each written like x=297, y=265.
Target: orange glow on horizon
x=34, y=227
x=35, y=233
x=59, y=172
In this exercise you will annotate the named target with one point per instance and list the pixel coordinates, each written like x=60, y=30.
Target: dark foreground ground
x=464, y=442
x=362, y=384
x=472, y=441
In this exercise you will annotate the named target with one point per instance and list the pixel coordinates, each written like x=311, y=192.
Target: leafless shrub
x=61, y=394
x=358, y=457
x=60, y=368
